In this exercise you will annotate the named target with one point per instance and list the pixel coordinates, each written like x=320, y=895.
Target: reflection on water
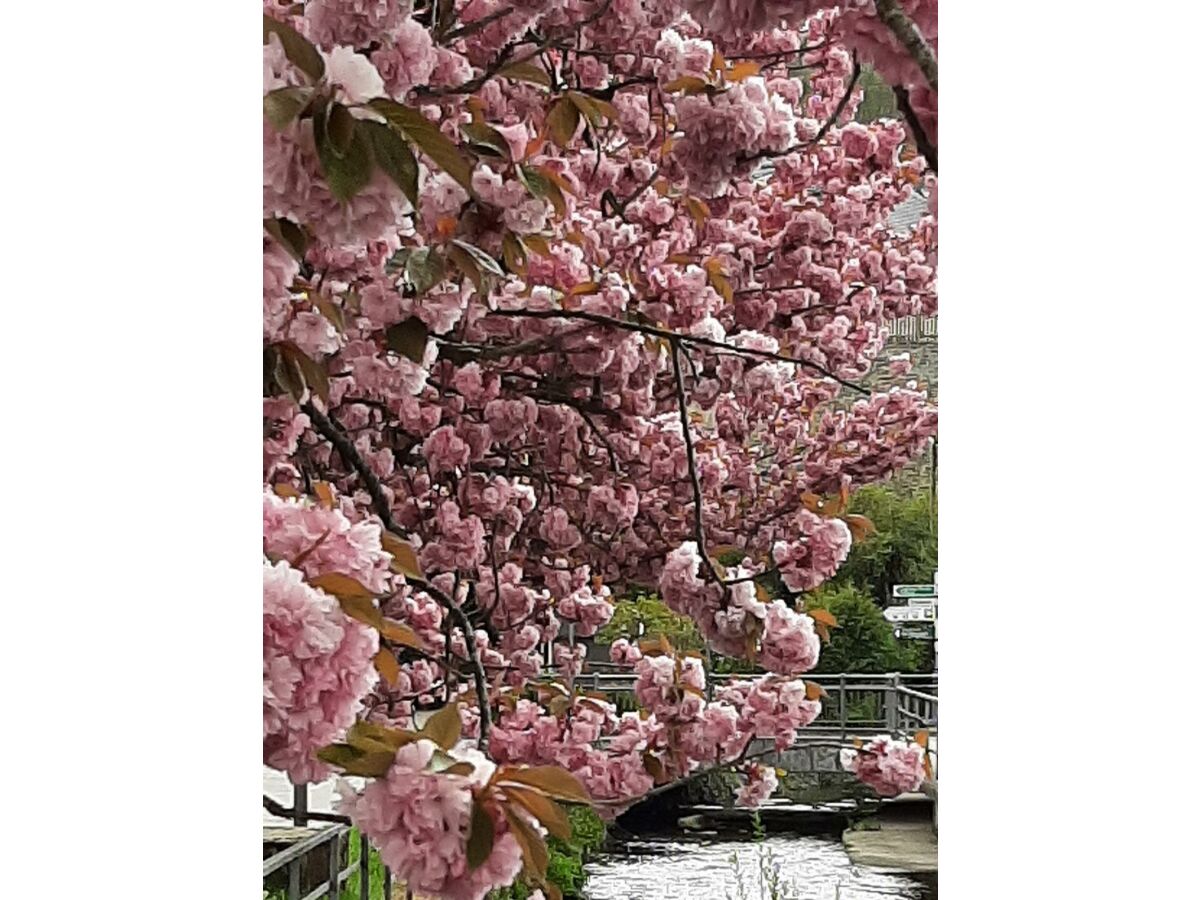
x=809, y=868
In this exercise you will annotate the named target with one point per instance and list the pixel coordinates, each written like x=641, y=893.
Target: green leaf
x=281, y=106
x=340, y=126
x=366, y=735
x=302, y=54
x=424, y=268
x=480, y=837
x=393, y=156
x=543, y=187
x=315, y=376
x=596, y=111
x=346, y=173
x=408, y=338
x=486, y=138
x=353, y=761
x=483, y=260
x=290, y=236
x=425, y=134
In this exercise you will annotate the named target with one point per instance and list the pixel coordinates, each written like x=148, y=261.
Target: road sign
x=904, y=591
x=908, y=614
x=921, y=602
x=915, y=634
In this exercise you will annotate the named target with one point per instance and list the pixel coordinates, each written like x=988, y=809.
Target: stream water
x=803, y=867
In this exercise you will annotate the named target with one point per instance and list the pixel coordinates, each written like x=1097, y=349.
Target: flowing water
x=804, y=868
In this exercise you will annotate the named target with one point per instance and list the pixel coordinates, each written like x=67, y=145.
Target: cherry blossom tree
x=560, y=299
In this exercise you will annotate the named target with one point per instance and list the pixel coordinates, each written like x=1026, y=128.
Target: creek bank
x=899, y=838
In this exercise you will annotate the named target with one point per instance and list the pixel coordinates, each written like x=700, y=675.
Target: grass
x=350, y=888
x=565, y=868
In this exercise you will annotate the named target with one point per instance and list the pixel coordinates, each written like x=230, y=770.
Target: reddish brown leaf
x=921, y=739
x=741, y=71
x=552, y=816
x=813, y=691
x=361, y=609
x=562, y=122
x=860, y=527
x=399, y=633
x=286, y=491
x=824, y=616
x=444, y=727
x=387, y=666
x=688, y=84
x=533, y=848
x=550, y=780
x=341, y=586
x=480, y=836
x=324, y=492
x=404, y=556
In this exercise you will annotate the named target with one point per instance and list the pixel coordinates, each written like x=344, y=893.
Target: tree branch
x=332, y=432
x=673, y=336
x=907, y=34
x=278, y=809
x=924, y=145
x=697, y=497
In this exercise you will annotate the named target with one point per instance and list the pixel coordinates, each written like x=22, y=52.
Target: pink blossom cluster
x=761, y=782
x=316, y=669
x=418, y=821
x=524, y=433
x=890, y=767
x=771, y=708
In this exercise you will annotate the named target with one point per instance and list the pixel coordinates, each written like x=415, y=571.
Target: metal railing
x=299, y=857
x=857, y=704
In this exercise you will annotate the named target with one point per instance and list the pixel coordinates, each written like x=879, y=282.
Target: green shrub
x=646, y=616
x=864, y=640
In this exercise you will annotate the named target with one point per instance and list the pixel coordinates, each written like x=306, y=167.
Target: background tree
x=902, y=548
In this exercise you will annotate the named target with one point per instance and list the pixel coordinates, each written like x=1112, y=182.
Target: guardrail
x=298, y=857
x=856, y=704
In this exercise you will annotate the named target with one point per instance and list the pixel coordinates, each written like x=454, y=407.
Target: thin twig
x=673, y=336
x=332, y=432
x=697, y=496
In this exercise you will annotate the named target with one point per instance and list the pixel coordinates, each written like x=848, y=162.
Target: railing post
x=300, y=819
x=300, y=804
x=890, y=704
x=364, y=868
x=335, y=866
x=842, y=702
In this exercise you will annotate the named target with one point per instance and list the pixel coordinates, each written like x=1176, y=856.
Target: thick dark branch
x=478, y=25
x=829, y=123
x=333, y=433
x=924, y=145
x=906, y=32
x=674, y=336
x=697, y=497
x=278, y=809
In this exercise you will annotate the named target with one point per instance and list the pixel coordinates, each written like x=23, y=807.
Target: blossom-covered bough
x=561, y=298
